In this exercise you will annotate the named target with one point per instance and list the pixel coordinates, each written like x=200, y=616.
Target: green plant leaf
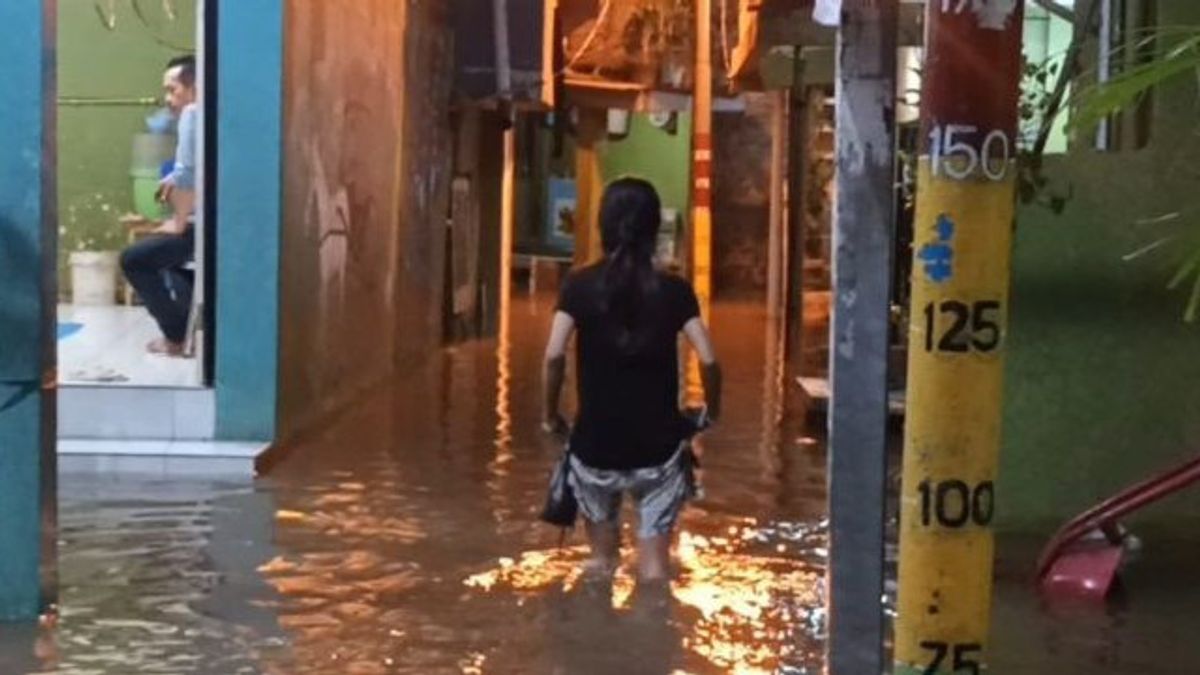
x=1193, y=307
x=1101, y=100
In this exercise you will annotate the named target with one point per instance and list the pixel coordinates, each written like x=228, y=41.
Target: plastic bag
x=561, y=506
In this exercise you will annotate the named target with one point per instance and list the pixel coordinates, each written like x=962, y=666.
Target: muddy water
x=1149, y=626
x=403, y=540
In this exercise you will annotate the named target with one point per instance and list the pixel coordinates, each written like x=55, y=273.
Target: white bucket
x=93, y=277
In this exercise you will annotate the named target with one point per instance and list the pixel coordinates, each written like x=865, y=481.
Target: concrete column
x=28, y=290
x=249, y=194
x=858, y=350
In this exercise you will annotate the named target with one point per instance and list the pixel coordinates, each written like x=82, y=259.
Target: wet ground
x=404, y=540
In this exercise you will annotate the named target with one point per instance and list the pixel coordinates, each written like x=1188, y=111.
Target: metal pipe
x=503, y=60
x=1104, y=69
x=702, y=160
x=508, y=175
x=109, y=102
x=775, y=221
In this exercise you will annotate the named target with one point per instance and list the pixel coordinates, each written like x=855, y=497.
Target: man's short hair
x=187, y=69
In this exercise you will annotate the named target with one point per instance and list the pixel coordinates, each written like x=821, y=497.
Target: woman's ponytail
x=630, y=216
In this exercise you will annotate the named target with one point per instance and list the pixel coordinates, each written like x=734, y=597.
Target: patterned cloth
x=659, y=492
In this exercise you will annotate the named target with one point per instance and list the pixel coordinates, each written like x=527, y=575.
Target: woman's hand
x=699, y=418
x=557, y=427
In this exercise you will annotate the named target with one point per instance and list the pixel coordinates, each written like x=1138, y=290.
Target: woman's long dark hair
x=630, y=216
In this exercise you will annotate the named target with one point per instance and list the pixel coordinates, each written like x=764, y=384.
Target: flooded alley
x=405, y=540
x=277, y=288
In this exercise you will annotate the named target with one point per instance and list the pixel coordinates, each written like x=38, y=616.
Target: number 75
x=961, y=662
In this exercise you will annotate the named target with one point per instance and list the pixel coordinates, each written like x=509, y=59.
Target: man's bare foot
x=165, y=347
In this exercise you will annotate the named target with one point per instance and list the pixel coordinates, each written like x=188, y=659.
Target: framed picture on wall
x=562, y=201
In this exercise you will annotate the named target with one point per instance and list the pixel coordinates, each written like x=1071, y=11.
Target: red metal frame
x=1117, y=506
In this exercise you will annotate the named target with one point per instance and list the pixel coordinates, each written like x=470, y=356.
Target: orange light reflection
x=748, y=605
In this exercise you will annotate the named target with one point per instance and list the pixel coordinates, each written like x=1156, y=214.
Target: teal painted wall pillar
x=249, y=38
x=28, y=232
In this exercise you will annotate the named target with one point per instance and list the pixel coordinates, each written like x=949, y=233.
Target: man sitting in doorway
x=155, y=266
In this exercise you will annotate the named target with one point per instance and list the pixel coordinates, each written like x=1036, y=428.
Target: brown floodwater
x=403, y=539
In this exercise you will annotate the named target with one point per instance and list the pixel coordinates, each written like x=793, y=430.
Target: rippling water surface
x=404, y=540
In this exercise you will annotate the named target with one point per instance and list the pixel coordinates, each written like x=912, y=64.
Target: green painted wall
x=1103, y=380
x=96, y=61
x=651, y=153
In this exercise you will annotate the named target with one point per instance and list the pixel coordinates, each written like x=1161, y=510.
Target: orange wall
x=366, y=179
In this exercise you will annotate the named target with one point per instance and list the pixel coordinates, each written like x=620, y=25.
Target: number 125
x=975, y=326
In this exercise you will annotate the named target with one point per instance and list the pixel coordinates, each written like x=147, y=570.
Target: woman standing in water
x=629, y=435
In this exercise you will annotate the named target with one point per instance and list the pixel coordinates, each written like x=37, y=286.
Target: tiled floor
x=107, y=345
x=162, y=448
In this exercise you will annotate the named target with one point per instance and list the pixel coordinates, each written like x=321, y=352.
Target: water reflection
x=743, y=609
x=157, y=575
x=404, y=540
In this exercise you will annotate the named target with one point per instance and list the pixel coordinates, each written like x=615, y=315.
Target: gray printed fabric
x=659, y=492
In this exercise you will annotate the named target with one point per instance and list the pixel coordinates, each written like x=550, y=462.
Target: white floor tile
x=110, y=348
x=113, y=466
x=162, y=448
x=116, y=413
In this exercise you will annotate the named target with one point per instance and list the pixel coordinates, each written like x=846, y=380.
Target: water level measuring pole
x=962, y=252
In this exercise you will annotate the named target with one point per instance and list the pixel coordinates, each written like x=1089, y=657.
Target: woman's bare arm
x=710, y=370
x=555, y=370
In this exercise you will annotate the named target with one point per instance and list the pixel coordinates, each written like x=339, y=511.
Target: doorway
x=116, y=142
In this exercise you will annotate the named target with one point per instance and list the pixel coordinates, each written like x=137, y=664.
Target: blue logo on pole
x=938, y=256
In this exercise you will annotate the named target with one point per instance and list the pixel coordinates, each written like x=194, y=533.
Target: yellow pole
x=589, y=185
x=776, y=221
x=507, y=213
x=962, y=248
x=702, y=160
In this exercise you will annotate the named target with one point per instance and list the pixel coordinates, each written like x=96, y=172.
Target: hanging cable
x=726, y=58
x=591, y=36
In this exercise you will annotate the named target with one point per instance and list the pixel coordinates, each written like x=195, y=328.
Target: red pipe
x=1113, y=508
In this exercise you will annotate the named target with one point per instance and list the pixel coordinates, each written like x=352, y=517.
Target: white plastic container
x=93, y=277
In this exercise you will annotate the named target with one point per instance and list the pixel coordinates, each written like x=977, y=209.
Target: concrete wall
x=473, y=260
x=367, y=161
x=122, y=59
x=1103, y=380
x=741, y=198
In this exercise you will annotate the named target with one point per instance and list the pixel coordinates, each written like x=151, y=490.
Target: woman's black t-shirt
x=629, y=413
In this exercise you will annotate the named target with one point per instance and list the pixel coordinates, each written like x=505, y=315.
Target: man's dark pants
x=155, y=268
